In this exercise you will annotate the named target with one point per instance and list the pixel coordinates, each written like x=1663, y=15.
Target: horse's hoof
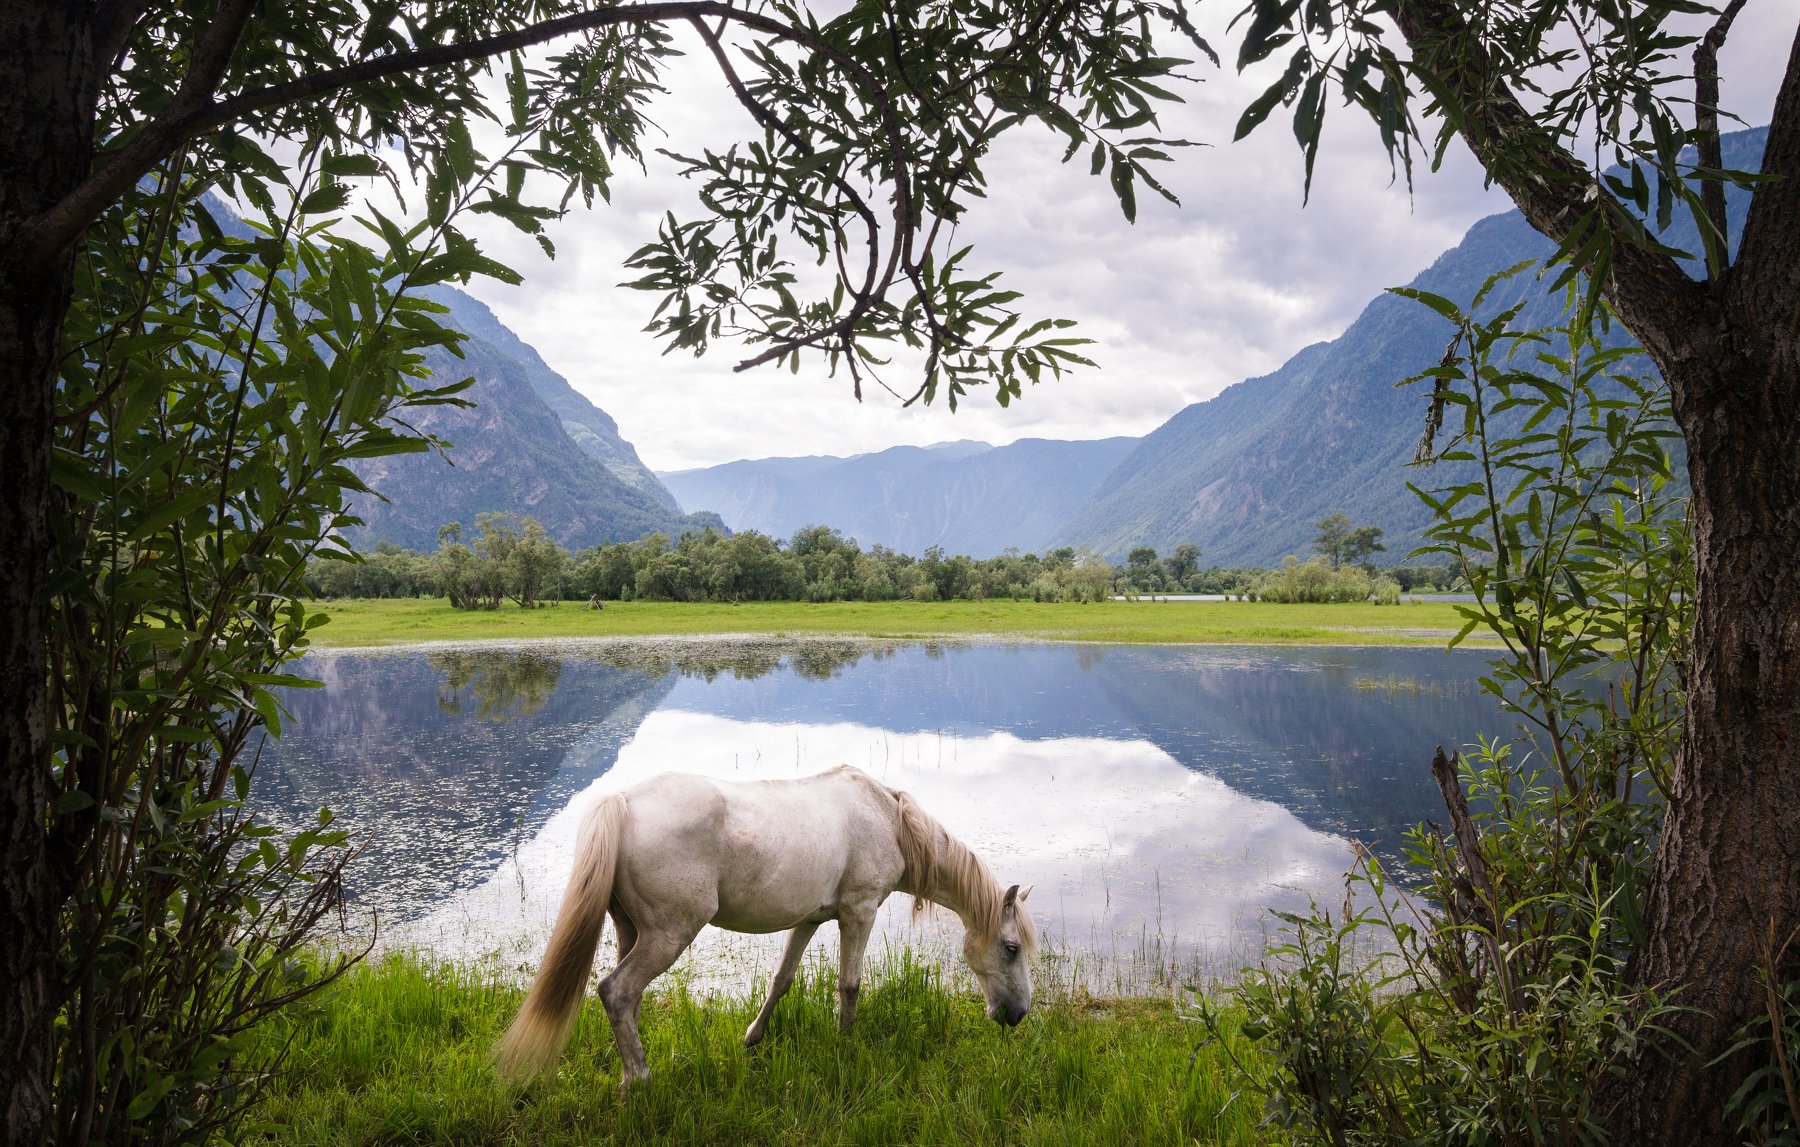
x=627, y=1082
x=752, y=1037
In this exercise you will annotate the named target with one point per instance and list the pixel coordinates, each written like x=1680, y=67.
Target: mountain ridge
x=966, y=497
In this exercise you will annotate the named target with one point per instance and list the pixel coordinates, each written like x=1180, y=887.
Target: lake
x=1161, y=800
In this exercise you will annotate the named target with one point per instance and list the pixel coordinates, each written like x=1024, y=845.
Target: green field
x=360, y=623
x=397, y=1053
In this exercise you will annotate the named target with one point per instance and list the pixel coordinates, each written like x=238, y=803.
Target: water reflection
x=1159, y=797
x=499, y=685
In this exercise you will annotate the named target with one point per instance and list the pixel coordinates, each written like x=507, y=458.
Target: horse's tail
x=918, y=848
x=537, y=1036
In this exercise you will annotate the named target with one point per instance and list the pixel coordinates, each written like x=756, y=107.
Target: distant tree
x=454, y=568
x=1141, y=573
x=1342, y=542
x=1334, y=536
x=534, y=567
x=1182, y=564
x=1364, y=542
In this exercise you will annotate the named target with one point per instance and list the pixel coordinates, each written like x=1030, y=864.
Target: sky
x=1182, y=304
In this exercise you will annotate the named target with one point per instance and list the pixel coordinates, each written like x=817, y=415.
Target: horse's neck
x=964, y=897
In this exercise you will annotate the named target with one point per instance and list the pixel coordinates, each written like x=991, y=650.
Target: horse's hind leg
x=780, y=981
x=622, y=991
x=626, y=930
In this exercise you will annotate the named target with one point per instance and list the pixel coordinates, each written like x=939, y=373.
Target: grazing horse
x=677, y=852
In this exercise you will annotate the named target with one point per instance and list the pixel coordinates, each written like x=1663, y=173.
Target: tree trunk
x=1725, y=892
x=47, y=102
x=1726, y=886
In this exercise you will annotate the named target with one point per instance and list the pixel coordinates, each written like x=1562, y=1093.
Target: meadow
x=397, y=1052
x=369, y=622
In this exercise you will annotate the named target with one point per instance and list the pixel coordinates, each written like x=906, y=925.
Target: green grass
x=360, y=623
x=396, y=1053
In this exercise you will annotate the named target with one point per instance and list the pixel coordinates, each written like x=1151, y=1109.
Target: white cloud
x=1181, y=305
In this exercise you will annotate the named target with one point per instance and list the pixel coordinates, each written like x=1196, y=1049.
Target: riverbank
x=397, y=1052
x=399, y=622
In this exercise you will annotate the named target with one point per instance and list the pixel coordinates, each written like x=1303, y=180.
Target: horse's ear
x=1025, y=893
x=1012, y=894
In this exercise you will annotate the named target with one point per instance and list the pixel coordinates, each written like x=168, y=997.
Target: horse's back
x=759, y=856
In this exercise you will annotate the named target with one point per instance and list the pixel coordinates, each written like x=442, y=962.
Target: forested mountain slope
x=1245, y=475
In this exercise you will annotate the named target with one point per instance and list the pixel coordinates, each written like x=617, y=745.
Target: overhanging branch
x=1706, y=122
x=195, y=112
x=1555, y=190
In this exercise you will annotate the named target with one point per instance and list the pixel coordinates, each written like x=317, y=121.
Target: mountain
x=1245, y=475
x=968, y=497
x=592, y=428
x=532, y=443
x=508, y=452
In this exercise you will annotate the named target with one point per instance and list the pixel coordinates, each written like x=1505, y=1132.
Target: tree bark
x=48, y=93
x=1727, y=872
x=1725, y=892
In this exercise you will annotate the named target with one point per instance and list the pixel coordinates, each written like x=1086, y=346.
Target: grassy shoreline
x=362, y=623
x=397, y=1052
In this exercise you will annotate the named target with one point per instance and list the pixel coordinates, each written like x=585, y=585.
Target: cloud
x=1181, y=305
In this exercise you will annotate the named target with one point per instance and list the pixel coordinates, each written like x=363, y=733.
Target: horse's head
x=1002, y=961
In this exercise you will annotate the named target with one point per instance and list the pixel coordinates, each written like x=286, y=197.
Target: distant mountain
x=509, y=452
x=531, y=444
x=592, y=428
x=968, y=497
x=1245, y=475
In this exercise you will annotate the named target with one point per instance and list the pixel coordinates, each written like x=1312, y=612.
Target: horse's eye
x=1012, y=951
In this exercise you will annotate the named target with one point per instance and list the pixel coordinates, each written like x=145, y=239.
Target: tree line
x=509, y=557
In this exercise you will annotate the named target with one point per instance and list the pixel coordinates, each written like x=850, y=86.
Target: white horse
x=677, y=852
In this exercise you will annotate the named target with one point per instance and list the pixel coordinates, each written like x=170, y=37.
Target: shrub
x=1312, y=581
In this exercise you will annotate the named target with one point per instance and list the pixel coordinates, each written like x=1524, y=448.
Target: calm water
x=1161, y=799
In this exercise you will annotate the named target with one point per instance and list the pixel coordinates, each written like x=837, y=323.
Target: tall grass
x=397, y=1053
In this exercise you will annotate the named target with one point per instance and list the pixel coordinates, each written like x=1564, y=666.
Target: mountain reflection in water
x=1158, y=797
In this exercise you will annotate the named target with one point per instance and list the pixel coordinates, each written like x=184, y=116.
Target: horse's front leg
x=854, y=926
x=781, y=980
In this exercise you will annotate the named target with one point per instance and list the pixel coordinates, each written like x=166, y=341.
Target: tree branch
x=1706, y=123
x=1766, y=271
x=195, y=111
x=1554, y=190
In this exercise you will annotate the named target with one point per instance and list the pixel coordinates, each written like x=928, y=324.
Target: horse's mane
x=956, y=871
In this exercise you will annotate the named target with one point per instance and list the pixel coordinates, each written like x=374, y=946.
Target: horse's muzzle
x=1009, y=1016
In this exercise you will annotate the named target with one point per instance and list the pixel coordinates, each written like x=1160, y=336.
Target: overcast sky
x=1181, y=305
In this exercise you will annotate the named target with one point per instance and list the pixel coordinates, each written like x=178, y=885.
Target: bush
x=1311, y=582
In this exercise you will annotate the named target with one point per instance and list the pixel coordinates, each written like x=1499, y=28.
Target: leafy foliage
x=1316, y=581
x=1606, y=80
x=873, y=141
x=1498, y=1009
x=214, y=391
